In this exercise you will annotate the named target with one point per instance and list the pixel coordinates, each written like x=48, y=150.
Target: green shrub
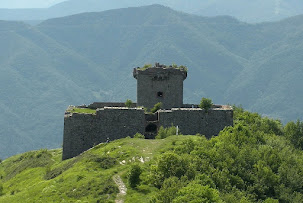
x=206, y=104
x=169, y=164
x=128, y=103
x=293, y=131
x=134, y=175
x=105, y=162
x=169, y=190
x=139, y=135
x=183, y=67
x=174, y=65
x=166, y=132
x=1, y=189
x=193, y=192
x=156, y=107
x=146, y=66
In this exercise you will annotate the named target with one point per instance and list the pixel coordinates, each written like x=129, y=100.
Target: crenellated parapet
x=160, y=72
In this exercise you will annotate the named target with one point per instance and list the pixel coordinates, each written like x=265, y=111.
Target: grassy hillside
x=257, y=160
x=89, y=57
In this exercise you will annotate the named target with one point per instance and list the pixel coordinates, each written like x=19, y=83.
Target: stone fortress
x=112, y=121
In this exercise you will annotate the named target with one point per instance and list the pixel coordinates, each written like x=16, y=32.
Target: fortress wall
x=197, y=106
x=193, y=121
x=97, y=105
x=83, y=131
x=78, y=129
x=121, y=122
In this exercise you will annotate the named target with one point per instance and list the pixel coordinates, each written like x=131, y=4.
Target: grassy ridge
x=257, y=160
x=42, y=176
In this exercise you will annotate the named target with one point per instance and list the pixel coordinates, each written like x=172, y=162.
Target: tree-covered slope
x=244, y=10
x=257, y=160
x=38, y=79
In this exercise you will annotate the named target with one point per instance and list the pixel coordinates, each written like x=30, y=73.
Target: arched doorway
x=151, y=131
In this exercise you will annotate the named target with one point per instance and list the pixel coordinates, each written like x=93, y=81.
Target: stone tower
x=160, y=84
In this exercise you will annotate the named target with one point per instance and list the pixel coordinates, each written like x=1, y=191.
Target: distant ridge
x=244, y=10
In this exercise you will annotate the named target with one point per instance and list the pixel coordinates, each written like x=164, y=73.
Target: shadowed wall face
x=83, y=131
x=195, y=120
x=159, y=84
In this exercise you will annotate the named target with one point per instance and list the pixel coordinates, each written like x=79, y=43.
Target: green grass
x=181, y=67
x=146, y=66
x=82, y=110
x=41, y=176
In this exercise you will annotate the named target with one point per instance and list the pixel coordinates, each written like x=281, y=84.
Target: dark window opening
x=160, y=94
x=151, y=128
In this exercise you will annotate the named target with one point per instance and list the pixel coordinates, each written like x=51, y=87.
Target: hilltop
x=257, y=160
x=88, y=57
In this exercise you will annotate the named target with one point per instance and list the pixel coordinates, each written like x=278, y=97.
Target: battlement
x=160, y=72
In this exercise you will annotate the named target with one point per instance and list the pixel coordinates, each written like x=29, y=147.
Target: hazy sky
x=28, y=3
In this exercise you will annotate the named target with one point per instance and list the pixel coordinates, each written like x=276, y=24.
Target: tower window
x=160, y=94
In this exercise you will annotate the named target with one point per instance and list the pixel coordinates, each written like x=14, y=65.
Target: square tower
x=160, y=84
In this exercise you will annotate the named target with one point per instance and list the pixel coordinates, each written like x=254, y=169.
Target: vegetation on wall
x=181, y=67
x=146, y=66
x=82, y=110
x=128, y=103
x=206, y=103
x=156, y=107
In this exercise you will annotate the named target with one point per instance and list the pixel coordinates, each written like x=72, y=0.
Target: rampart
x=195, y=120
x=83, y=131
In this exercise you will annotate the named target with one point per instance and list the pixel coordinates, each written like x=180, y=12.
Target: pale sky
x=28, y=3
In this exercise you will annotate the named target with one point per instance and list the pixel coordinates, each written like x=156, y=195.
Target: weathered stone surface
x=195, y=120
x=160, y=84
x=83, y=131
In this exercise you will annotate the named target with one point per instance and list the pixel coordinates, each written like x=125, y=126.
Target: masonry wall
x=83, y=131
x=195, y=120
x=154, y=80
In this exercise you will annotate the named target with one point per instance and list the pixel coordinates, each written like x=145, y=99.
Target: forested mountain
x=89, y=57
x=244, y=10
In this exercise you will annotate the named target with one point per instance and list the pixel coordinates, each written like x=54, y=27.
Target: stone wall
x=83, y=131
x=160, y=85
x=195, y=120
